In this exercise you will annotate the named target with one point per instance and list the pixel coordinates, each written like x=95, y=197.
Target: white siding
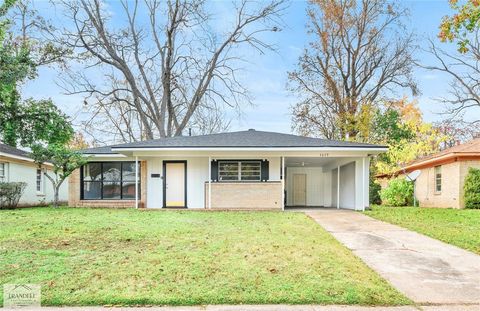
x=197, y=176
x=334, y=183
x=274, y=168
x=327, y=186
x=315, y=185
x=347, y=186
x=18, y=172
x=154, y=185
x=354, y=187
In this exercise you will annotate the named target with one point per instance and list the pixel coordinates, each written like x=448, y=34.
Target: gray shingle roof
x=242, y=139
x=14, y=151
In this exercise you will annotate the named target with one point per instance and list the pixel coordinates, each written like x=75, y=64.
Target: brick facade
x=74, y=193
x=245, y=195
x=453, y=180
x=450, y=194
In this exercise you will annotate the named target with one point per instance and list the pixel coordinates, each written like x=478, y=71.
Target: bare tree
x=31, y=28
x=360, y=53
x=162, y=63
x=457, y=131
x=464, y=71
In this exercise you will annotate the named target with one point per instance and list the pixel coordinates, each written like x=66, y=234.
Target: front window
x=239, y=170
x=109, y=180
x=3, y=177
x=438, y=178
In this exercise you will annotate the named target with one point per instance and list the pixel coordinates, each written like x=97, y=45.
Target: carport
x=339, y=182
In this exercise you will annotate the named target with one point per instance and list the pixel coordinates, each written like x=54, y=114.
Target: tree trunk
x=55, y=196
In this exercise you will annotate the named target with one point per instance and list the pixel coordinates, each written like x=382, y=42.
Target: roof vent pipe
x=189, y=131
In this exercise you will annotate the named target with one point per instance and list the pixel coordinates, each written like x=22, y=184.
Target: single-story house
x=237, y=170
x=442, y=175
x=18, y=166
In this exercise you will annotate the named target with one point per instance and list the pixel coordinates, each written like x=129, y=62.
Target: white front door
x=175, y=191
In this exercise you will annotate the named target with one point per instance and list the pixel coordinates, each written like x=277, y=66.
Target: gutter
x=380, y=149
x=11, y=156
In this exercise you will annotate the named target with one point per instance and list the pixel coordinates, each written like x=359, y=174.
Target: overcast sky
x=266, y=75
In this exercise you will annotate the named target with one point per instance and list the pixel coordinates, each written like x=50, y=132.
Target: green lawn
x=457, y=227
x=101, y=256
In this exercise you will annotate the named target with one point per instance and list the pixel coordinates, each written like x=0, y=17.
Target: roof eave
x=437, y=160
x=14, y=156
x=327, y=148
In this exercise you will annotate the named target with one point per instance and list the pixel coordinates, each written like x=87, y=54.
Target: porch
x=303, y=182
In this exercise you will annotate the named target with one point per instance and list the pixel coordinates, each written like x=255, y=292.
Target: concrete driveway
x=424, y=269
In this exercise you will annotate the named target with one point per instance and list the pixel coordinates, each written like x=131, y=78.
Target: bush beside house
x=374, y=190
x=471, y=189
x=399, y=192
x=10, y=193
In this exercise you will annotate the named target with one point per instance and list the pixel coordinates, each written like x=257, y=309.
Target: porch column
x=209, y=182
x=338, y=187
x=363, y=184
x=283, y=182
x=136, y=182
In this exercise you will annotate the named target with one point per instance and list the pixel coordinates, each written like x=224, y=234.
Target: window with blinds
x=239, y=170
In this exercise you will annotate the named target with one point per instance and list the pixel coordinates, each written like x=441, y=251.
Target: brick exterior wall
x=453, y=180
x=450, y=194
x=248, y=195
x=74, y=193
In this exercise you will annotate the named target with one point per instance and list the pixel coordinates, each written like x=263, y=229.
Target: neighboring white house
x=17, y=166
x=238, y=170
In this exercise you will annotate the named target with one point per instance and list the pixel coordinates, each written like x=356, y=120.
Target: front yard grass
x=127, y=257
x=453, y=226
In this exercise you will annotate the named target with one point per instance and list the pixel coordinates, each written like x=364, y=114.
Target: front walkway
x=426, y=270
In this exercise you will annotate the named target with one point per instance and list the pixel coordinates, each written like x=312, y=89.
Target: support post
x=136, y=182
x=338, y=187
x=283, y=183
x=363, y=184
x=209, y=182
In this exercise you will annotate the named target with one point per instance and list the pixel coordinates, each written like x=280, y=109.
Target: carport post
x=338, y=187
x=363, y=184
x=209, y=182
x=136, y=182
x=283, y=183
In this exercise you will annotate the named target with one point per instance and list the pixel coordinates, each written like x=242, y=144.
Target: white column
x=283, y=183
x=338, y=187
x=363, y=184
x=209, y=182
x=136, y=181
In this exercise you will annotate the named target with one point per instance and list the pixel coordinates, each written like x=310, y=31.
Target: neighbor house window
x=109, y=181
x=438, y=178
x=39, y=180
x=239, y=170
x=3, y=172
